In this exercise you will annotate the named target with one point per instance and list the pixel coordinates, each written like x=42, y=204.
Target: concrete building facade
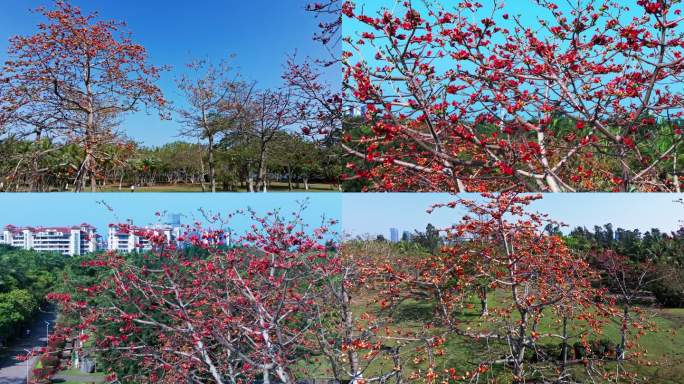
x=71, y=241
x=128, y=238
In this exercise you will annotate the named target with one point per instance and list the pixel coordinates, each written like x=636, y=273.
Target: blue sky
x=376, y=213
x=260, y=32
x=62, y=209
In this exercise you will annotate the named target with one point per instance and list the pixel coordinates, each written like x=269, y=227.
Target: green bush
x=669, y=288
x=580, y=350
x=49, y=361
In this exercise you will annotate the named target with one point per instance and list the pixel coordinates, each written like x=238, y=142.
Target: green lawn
x=663, y=360
x=76, y=372
x=82, y=377
x=664, y=348
x=275, y=187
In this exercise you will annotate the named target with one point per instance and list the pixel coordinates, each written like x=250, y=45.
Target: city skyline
x=634, y=211
x=628, y=211
x=101, y=210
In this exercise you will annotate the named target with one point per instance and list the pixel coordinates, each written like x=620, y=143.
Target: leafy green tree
x=26, y=277
x=430, y=239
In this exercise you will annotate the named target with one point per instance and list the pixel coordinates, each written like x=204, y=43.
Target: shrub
x=580, y=350
x=49, y=361
x=669, y=289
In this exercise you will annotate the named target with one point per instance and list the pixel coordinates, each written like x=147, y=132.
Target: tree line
x=292, y=161
x=661, y=254
x=26, y=277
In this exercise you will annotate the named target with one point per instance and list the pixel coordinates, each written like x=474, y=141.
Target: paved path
x=13, y=371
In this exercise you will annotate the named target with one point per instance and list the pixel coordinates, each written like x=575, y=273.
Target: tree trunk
x=519, y=349
x=552, y=184
x=261, y=177
x=484, y=307
x=91, y=165
x=306, y=183
x=352, y=356
x=623, y=333
x=289, y=178
x=283, y=375
x=202, y=174
x=678, y=189
x=212, y=166
x=564, y=347
x=90, y=169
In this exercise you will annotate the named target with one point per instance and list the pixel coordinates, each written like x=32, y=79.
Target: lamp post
x=28, y=361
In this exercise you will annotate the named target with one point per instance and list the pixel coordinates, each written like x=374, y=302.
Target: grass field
x=663, y=362
x=75, y=376
x=275, y=187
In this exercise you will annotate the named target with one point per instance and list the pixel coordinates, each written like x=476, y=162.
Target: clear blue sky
x=260, y=32
x=376, y=213
x=62, y=209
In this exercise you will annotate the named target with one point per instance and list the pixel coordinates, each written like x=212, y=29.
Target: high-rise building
x=394, y=235
x=72, y=241
x=174, y=221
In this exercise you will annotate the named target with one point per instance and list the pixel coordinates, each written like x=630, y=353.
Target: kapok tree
x=533, y=273
x=217, y=102
x=271, y=112
x=82, y=73
x=478, y=96
x=628, y=280
x=318, y=102
x=356, y=340
x=319, y=109
x=235, y=312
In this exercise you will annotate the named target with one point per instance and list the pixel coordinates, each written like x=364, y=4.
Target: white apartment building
x=129, y=238
x=72, y=241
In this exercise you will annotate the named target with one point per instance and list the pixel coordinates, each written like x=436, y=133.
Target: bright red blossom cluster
x=486, y=103
x=239, y=312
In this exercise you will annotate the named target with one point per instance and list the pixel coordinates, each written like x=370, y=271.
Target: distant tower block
x=394, y=235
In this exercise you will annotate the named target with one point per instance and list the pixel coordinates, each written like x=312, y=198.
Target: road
x=13, y=371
